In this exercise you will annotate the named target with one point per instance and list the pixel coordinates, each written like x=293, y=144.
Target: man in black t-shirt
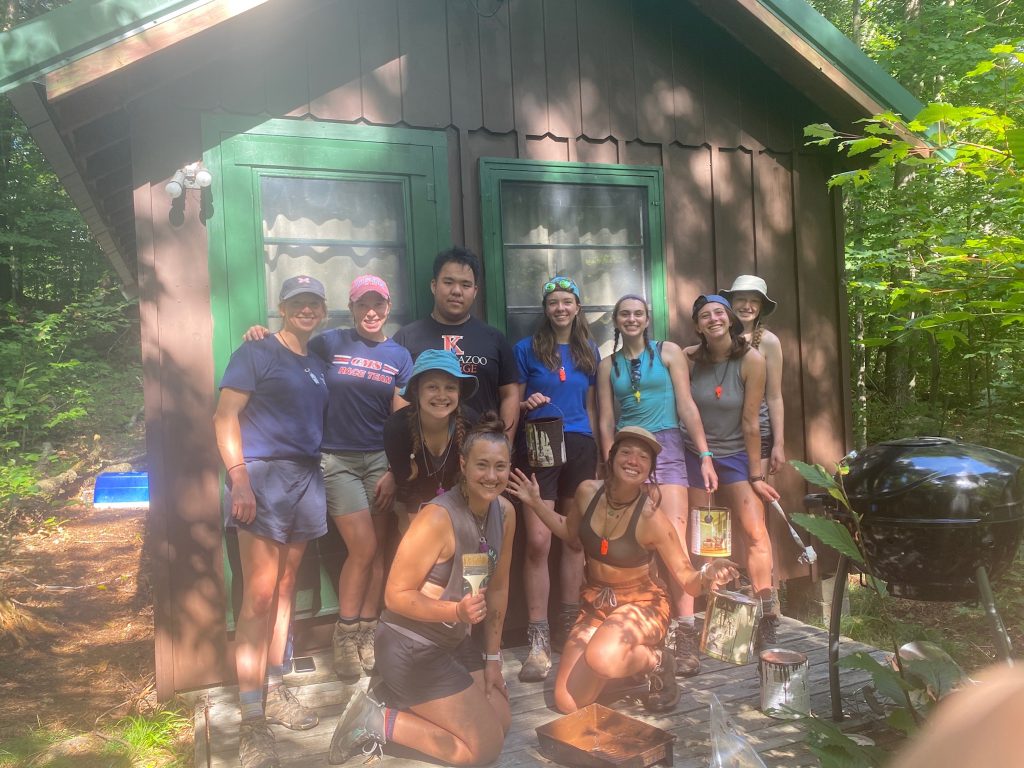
x=482, y=349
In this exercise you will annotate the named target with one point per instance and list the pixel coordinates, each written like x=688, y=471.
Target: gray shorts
x=351, y=479
x=290, y=501
x=671, y=466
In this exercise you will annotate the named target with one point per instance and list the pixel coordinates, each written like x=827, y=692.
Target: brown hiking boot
x=282, y=708
x=686, y=653
x=360, y=729
x=663, y=690
x=767, y=632
x=256, y=747
x=344, y=642
x=364, y=644
x=538, y=662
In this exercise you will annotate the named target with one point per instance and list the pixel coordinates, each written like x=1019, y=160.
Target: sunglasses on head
x=560, y=284
x=634, y=372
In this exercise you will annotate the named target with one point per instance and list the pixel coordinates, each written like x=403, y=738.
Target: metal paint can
x=545, y=442
x=785, y=692
x=730, y=626
x=711, y=532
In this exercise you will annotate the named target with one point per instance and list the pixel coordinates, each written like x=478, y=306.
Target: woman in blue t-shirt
x=557, y=373
x=365, y=372
x=647, y=384
x=269, y=424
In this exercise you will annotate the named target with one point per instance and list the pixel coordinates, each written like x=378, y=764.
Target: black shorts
x=562, y=482
x=415, y=671
x=767, y=442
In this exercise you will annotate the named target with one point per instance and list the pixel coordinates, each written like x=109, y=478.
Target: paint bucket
x=785, y=692
x=711, y=532
x=730, y=626
x=545, y=441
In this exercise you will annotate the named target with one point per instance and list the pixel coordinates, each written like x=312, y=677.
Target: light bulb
x=203, y=178
x=176, y=185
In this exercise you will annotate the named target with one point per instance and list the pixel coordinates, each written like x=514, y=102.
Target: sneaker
x=282, y=708
x=767, y=632
x=686, y=655
x=538, y=662
x=256, y=747
x=364, y=644
x=360, y=729
x=347, y=665
x=663, y=690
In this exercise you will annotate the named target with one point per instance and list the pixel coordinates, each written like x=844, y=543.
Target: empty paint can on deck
x=545, y=442
x=730, y=624
x=710, y=532
x=785, y=693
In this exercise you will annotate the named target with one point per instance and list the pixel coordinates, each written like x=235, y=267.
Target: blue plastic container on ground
x=121, y=490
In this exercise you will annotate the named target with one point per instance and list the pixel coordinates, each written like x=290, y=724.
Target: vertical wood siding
x=610, y=81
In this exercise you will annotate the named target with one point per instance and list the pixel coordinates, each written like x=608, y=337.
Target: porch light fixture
x=192, y=176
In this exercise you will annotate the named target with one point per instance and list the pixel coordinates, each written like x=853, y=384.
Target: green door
x=296, y=197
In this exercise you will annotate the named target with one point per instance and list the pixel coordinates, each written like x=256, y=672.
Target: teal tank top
x=655, y=409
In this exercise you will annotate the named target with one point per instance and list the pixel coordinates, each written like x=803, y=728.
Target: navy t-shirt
x=361, y=380
x=284, y=418
x=570, y=395
x=483, y=351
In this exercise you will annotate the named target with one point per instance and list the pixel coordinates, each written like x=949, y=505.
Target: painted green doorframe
x=493, y=171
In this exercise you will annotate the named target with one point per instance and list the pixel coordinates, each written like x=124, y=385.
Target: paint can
x=785, y=692
x=545, y=442
x=711, y=532
x=730, y=626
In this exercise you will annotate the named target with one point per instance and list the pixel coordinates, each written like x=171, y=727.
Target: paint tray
x=598, y=737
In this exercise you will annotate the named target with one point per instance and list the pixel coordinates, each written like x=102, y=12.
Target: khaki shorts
x=351, y=478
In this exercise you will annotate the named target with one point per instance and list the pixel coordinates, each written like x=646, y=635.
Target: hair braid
x=615, y=346
x=647, y=345
x=755, y=337
x=417, y=443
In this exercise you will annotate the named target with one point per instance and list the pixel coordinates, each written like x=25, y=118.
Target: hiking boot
x=662, y=688
x=256, y=745
x=538, y=662
x=560, y=632
x=767, y=632
x=686, y=654
x=347, y=665
x=282, y=708
x=364, y=644
x=360, y=729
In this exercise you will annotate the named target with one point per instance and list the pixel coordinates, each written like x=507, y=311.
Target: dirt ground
x=90, y=658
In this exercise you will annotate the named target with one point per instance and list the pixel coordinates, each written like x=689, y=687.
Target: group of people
x=425, y=424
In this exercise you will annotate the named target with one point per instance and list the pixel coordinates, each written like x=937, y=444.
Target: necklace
x=481, y=525
x=635, y=374
x=561, y=367
x=428, y=460
x=616, y=518
x=284, y=342
x=721, y=381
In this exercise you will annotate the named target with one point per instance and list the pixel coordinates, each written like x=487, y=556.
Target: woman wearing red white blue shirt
x=557, y=376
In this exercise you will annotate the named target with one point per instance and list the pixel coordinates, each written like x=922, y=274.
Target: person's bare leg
x=375, y=586
x=535, y=571
x=291, y=557
x=261, y=565
x=576, y=684
x=356, y=531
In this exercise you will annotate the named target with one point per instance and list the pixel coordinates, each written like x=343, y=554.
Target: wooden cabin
x=649, y=146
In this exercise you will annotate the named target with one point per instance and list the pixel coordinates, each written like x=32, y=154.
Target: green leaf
x=887, y=681
x=831, y=532
x=859, y=146
x=815, y=474
x=981, y=68
x=901, y=720
x=1015, y=143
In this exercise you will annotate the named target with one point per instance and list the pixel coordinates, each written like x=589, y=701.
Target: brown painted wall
x=645, y=82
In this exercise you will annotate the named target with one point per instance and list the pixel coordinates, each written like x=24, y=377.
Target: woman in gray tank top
x=443, y=695
x=727, y=383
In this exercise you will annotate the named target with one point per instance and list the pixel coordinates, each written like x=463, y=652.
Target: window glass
x=334, y=230
x=593, y=233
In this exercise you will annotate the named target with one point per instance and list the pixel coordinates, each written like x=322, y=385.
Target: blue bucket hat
x=446, y=362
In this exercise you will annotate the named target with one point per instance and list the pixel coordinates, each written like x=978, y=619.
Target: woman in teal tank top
x=647, y=384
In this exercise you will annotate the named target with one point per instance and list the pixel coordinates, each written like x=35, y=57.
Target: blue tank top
x=655, y=409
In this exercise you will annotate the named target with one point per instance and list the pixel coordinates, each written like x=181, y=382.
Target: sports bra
x=623, y=551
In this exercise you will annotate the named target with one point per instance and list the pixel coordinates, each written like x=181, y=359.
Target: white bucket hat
x=754, y=284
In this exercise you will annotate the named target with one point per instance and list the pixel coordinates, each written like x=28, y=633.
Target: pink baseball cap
x=364, y=284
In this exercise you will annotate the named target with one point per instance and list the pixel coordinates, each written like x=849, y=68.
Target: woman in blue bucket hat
x=557, y=376
x=423, y=441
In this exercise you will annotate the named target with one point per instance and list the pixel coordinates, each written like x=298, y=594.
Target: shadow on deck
x=779, y=742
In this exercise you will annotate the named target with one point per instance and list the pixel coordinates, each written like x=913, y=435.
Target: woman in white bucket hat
x=750, y=302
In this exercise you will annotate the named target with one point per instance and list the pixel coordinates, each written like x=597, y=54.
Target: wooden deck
x=780, y=743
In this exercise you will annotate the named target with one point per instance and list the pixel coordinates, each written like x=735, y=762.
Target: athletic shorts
x=562, y=482
x=415, y=671
x=730, y=469
x=671, y=467
x=290, y=500
x=598, y=601
x=351, y=479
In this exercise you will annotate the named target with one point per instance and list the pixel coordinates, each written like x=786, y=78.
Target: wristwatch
x=755, y=478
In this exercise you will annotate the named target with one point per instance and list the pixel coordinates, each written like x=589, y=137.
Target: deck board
x=779, y=742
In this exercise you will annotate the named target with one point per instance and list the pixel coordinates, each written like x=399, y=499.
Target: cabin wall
x=645, y=82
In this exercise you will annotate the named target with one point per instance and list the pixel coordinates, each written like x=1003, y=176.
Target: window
x=600, y=225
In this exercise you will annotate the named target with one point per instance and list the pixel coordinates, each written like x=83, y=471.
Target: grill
x=938, y=517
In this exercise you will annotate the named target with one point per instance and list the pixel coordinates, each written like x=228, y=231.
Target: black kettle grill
x=938, y=517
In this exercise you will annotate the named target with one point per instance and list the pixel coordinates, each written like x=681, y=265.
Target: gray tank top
x=467, y=540
x=718, y=392
x=762, y=413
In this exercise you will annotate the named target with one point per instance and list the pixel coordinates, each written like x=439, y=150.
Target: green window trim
x=494, y=171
